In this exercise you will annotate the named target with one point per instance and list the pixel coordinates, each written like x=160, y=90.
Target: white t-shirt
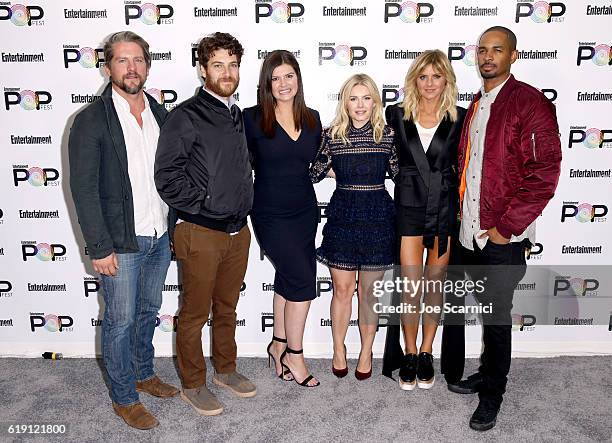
x=426, y=134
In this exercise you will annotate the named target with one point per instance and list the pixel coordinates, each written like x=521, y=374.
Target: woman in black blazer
x=427, y=128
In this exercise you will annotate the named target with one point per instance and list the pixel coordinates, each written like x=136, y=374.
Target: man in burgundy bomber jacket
x=509, y=165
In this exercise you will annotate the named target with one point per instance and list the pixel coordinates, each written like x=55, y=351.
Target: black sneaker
x=471, y=385
x=485, y=415
x=407, y=373
x=425, y=371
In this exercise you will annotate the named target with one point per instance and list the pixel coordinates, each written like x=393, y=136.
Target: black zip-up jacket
x=99, y=179
x=202, y=165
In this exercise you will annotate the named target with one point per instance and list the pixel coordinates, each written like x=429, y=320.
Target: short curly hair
x=219, y=40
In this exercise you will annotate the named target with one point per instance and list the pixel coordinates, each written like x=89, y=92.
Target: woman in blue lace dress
x=359, y=236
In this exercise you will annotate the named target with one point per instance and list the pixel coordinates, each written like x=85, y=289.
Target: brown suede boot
x=154, y=386
x=136, y=416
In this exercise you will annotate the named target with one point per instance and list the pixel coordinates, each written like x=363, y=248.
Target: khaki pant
x=212, y=265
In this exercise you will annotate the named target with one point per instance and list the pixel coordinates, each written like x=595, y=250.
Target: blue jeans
x=132, y=300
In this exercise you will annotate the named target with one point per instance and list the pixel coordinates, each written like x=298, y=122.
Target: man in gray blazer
x=124, y=222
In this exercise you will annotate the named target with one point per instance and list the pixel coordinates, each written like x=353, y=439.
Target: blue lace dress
x=360, y=231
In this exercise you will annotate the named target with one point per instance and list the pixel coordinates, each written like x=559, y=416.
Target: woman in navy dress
x=283, y=136
x=359, y=236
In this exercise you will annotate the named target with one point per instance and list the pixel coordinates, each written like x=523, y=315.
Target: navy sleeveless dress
x=360, y=231
x=285, y=213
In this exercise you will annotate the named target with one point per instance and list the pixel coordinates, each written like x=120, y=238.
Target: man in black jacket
x=124, y=222
x=202, y=169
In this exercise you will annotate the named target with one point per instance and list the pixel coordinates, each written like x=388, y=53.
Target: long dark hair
x=301, y=114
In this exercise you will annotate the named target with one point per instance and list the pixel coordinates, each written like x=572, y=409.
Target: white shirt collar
x=493, y=92
x=227, y=101
x=120, y=101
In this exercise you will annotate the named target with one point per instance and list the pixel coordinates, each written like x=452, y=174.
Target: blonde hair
x=440, y=64
x=340, y=126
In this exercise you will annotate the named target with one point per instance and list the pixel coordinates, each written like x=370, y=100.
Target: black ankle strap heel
x=286, y=368
x=283, y=373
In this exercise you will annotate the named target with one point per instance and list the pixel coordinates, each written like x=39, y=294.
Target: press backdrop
x=51, y=68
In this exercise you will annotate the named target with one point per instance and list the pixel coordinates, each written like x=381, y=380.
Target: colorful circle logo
x=20, y=15
x=400, y=95
x=593, y=138
x=470, y=57
x=344, y=55
x=149, y=13
x=157, y=95
x=44, y=252
x=578, y=285
x=603, y=55
x=52, y=323
x=29, y=100
x=280, y=12
x=585, y=213
x=541, y=12
x=88, y=57
x=410, y=12
x=166, y=323
x=37, y=176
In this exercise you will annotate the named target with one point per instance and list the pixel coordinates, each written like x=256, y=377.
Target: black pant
x=500, y=267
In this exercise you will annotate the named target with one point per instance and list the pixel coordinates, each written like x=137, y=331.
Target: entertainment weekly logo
x=23, y=57
x=599, y=54
x=279, y=12
x=86, y=56
x=342, y=54
x=263, y=53
x=598, y=10
x=148, y=13
x=408, y=12
x=215, y=12
x=468, y=54
x=31, y=139
x=343, y=11
x=27, y=99
x=540, y=12
x=85, y=14
x=22, y=15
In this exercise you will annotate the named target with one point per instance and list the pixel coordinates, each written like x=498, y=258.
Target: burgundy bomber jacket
x=522, y=158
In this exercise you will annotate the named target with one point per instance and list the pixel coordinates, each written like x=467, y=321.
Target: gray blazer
x=99, y=179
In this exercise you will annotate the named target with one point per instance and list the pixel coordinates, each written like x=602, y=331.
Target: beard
x=130, y=89
x=488, y=74
x=223, y=90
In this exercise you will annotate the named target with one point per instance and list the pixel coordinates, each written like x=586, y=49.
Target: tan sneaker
x=237, y=383
x=136, y=416
x=154, y=386
x=202, y=400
